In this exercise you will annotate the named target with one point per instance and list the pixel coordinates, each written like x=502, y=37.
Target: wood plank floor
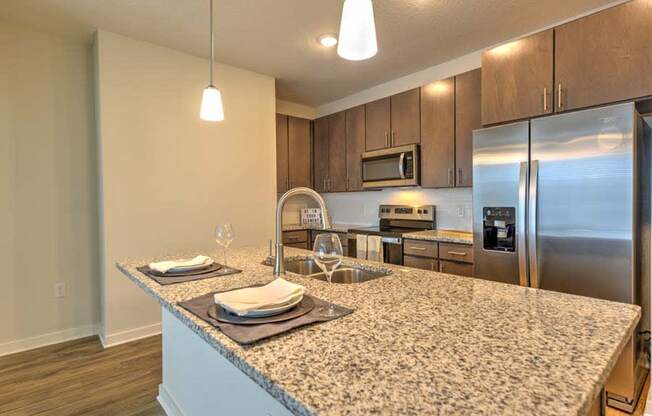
x=80, y=378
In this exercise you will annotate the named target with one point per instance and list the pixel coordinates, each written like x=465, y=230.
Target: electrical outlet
x=460, y=211
x=60, y=290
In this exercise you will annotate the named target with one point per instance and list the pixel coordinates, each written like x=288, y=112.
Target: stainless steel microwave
x=396, y=166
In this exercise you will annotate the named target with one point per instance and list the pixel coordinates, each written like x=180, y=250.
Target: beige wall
x=168, y=177
x=48, y=194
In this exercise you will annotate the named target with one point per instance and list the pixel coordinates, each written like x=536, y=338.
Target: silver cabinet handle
x=393, y=138
x=432, y=266
x=450, y=177
x=441, y=267
x=459, y=176
x=520, y=225
x=559, y=91
x=418, y=248
x=545, y=99
x=386, y=139
x=287, y=184
x=456, y=253
x=532, y=224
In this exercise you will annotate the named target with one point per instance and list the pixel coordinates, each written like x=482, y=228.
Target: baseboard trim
x=167, y=402
x=44, y=340
x=111, y=340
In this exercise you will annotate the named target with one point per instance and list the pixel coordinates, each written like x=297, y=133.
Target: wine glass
x=224, y=236
x=327, y=252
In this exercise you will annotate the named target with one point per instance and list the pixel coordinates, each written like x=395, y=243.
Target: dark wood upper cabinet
x=337, y=152
x=405, y=116
x=299, y=144
x=282, y=180
x=438, y=134
x=321, y=149
x=377, y=124
x=355, y=134
x=604, y=57
x=467, y=118
x=517, y=79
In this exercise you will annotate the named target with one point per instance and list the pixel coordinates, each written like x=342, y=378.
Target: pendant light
x=211, y=102
x=357, y=31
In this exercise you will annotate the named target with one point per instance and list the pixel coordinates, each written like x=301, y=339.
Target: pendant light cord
x=212, y=43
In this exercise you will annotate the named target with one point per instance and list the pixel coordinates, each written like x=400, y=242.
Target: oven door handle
x=401, y=167
x=392, y=240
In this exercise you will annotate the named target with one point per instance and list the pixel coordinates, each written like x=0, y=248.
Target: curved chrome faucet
x=279, y=264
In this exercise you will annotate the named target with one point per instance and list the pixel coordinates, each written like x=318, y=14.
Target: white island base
x=199, y=381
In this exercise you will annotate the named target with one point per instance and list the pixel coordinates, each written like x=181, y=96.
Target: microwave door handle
x=401, y=165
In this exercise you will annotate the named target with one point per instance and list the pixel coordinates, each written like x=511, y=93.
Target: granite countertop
x=421, y=342
x=338, y=227
x=443, y=236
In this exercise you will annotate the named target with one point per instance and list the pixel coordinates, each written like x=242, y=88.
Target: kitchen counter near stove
x=442, y=236
x=336, y=227
x=418, y=342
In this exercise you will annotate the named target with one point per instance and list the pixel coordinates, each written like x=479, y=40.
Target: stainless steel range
x=395, y=221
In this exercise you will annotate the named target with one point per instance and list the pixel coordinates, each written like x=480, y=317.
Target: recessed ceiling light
x=327, y=41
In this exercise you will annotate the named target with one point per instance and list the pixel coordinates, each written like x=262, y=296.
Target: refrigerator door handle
x=532, y=224
x=520, y=225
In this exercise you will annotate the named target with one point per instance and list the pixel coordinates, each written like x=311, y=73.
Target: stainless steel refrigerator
x=562, y=203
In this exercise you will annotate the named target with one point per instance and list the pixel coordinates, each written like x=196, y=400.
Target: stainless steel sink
x=346, y=274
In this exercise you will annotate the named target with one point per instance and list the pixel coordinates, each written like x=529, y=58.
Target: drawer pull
x=418, y=248
x=456, y=253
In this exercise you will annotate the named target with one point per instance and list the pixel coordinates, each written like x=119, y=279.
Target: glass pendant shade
x=211, y=105
x=357, y=40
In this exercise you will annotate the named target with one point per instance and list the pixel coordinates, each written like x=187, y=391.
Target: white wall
x=167, y=178
x=48, y=194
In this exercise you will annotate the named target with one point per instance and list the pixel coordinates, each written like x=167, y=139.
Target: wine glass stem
x=225, y=256
x=329, y=275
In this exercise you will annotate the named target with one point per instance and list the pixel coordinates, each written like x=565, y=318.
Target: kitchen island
x=418, y=342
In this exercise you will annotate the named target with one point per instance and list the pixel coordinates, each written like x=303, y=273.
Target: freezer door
x=581, y=237
x=500, y=166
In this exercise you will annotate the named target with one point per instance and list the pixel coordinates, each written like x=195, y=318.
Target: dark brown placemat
x=177, y=278
x=248, y=334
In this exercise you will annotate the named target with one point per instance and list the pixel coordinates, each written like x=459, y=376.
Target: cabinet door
x=422, y=263
x=300, y=172
x=438, y=134
x=377, y=124
x=604, y=57
x=355, y=132
x=460, y=269
x=405, y=121
x=337, y=152
x=517, y=79
x=321, y=154
x=467, y=119
x=281, y=153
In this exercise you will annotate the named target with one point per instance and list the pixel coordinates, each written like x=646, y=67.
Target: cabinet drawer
x=420, y=248
x=456, y=252
x=303, y=245
x=421, y=263
x=453, y=267
x=300, y=236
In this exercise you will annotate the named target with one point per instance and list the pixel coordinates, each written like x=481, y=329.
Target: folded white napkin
x=276, y=293
x=375, y=248
x=183, y=264
x=361, y=246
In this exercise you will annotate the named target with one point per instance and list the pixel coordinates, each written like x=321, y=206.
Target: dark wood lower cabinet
x=452, y=267
x=422, y=263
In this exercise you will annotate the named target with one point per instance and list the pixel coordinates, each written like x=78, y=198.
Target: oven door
x=398, y=166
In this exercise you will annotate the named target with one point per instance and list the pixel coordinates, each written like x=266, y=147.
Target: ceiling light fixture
x=327, y=41
x=357, y=31
x=212, y=108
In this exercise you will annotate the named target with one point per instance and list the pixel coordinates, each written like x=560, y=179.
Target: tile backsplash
x=453, y=205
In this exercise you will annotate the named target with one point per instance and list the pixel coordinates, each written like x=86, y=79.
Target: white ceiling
x=278, y=37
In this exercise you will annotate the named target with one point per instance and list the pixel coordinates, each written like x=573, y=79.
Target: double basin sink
x=343, y=274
